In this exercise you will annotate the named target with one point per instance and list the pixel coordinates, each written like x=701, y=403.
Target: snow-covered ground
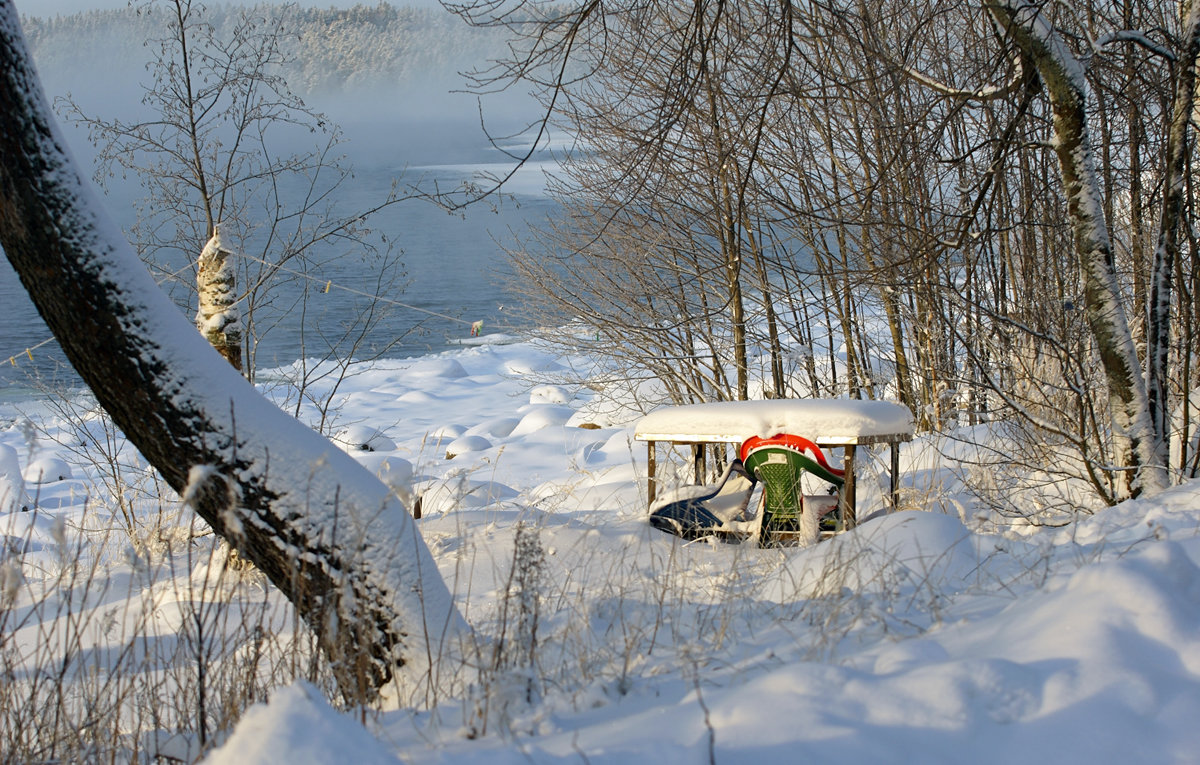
x=921, y=636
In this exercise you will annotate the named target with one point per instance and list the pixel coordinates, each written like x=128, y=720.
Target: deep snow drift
x=921, y=636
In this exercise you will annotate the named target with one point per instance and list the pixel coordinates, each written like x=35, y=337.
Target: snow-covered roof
x=826, y=421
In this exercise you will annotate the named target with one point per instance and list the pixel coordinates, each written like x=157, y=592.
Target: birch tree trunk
x=332, y=537
x=1063, y=77
x=1158, y=314
x=218, y=318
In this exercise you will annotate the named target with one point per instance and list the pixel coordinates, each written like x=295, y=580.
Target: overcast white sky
x=47, y=8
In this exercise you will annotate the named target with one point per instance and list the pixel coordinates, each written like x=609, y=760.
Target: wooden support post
x=849, y=490
x=895, y=473
x=651, y=470
x=698, y=457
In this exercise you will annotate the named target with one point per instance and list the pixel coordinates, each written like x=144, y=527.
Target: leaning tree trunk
x=1134, y=443
x=326, y=531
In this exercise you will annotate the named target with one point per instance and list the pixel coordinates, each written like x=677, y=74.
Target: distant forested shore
x=330, y=50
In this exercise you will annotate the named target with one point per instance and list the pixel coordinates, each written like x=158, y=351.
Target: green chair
x=780, y=463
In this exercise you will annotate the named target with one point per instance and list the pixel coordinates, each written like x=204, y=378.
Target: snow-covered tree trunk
x=1158, y=315
x=327, y=532
x=1062, y=74
x=218, y=318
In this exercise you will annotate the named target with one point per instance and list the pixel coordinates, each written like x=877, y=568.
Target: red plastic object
x=788, y=441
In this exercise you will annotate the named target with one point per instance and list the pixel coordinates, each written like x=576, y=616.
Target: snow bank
x=297, y=726
x=913, y=638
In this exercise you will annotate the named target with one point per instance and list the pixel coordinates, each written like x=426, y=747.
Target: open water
x=453, y=268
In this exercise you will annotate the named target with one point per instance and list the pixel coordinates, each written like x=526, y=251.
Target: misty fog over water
x=452, y=264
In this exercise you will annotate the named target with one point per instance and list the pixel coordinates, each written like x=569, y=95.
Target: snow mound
x=38, y=536
x=416, y=397
x=604, y=413
x=363, y=438
x=297, y=726
x=542, y=416
x=466, y=444
x=444, y=495
x=521, y=366
x=549, y=394
x=444, y=368
x=499, y=427
x=47, y=469
x=444, y=433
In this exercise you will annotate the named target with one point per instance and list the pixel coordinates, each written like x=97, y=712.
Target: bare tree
x=663, y=246
x=921, y=192
x=1137, y=444
x=1172, y=220
x=327, y=533
x=229, y=144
